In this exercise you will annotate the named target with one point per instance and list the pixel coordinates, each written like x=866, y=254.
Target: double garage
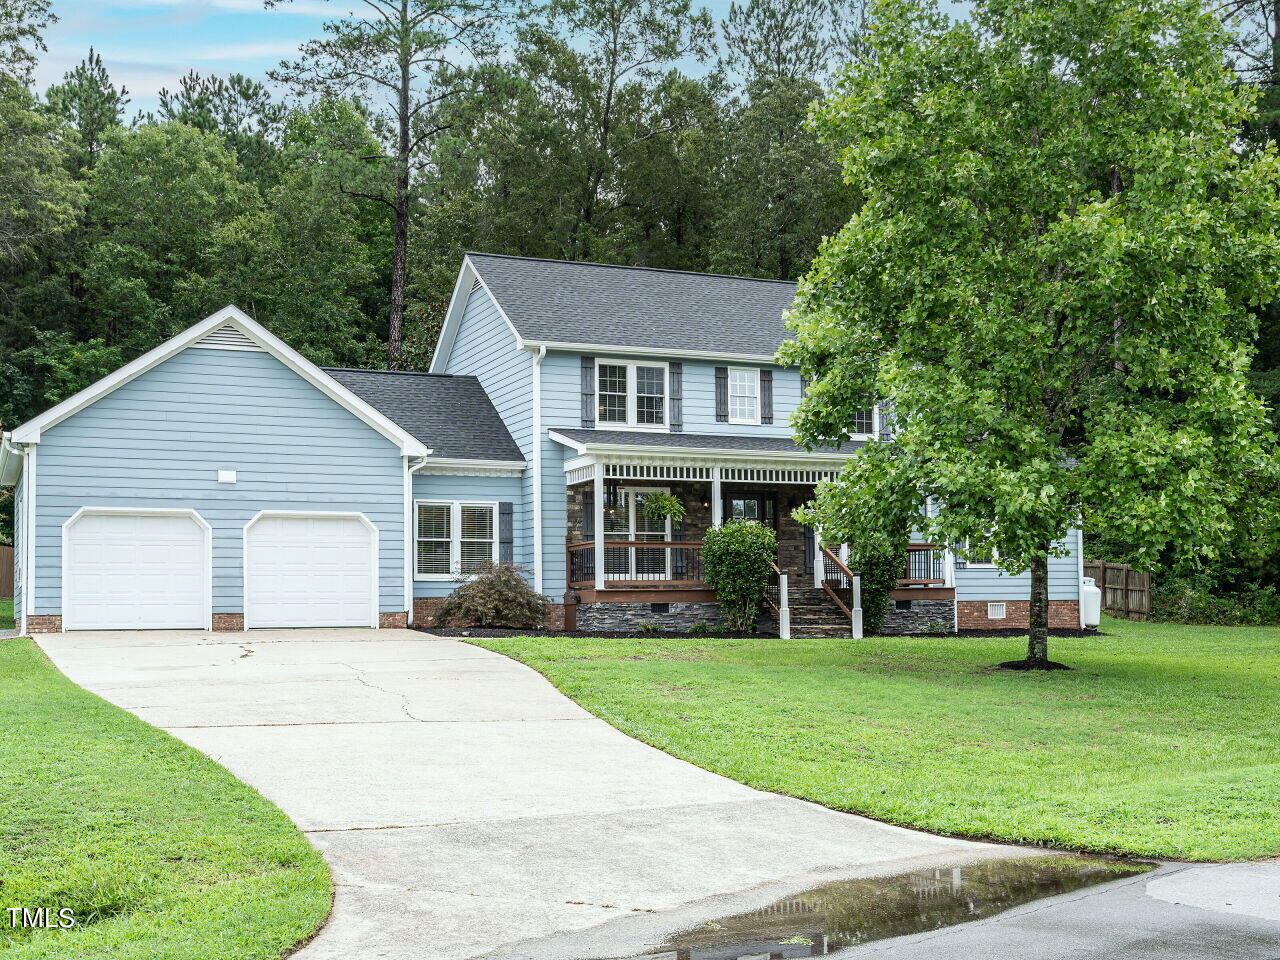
x=129, y=569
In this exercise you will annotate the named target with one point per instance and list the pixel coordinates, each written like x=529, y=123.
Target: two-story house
x=223, y=481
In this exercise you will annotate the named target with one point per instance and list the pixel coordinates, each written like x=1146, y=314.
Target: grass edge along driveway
x=157, y=850
x=1161, y=742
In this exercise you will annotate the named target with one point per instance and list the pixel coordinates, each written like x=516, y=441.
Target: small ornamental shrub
x=493, y=596
x=879, y=564
x=737, y=560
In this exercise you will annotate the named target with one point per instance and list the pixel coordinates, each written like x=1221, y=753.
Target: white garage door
x=135, y=571
x=309, y=571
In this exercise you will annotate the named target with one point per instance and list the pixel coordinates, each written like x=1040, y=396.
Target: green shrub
x=1195, y=600
x=493, y=596
x=879, y=564
x=737, y=560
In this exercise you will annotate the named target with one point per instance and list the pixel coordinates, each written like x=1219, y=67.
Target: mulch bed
x=668, y=635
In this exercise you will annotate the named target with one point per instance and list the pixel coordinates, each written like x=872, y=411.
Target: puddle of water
x=850, y=912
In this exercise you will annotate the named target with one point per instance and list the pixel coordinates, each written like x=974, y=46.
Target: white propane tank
x=1090, y=602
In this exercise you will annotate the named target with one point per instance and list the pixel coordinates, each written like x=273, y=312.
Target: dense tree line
x=335, y=204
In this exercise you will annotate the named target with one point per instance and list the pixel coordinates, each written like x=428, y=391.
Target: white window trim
x=631, y=423
x=455, y=537
x=729, y=395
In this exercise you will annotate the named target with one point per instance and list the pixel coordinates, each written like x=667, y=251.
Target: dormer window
x=631, y=394
x=744, y=395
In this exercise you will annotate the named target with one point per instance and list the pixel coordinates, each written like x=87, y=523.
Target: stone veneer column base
x=972, y=615
x=633, y=617
x=44, y=623
x=925, y=616
x=227, y=622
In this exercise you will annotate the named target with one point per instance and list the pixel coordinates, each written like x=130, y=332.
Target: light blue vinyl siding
x=992, y=583
x=485, y=348
x=159, y=440
x=19, y=548
x=478, y=488
x=699, y=382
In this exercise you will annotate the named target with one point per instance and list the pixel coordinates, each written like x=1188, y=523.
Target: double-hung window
x=631, y=394
x=454, y=538
x=975, y=556
x=744, y=395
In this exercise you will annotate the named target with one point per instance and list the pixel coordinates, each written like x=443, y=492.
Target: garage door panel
x=309, y=572
x=135, y=571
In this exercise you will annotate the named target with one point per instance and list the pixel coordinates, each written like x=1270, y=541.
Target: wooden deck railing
x=844, y=587
x=635, y=563
x=926, y=565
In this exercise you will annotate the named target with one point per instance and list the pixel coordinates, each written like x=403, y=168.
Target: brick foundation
x=972, y=615
x=394, y=621
x=44, y=623
x=424, y=613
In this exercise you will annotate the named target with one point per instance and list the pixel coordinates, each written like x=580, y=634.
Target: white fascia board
x=11, y=461
x=462, y=463
x=467, y=276
x=30, y=431
x=615, y=349
x=637, y=449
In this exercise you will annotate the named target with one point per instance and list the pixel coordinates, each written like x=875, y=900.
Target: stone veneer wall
x=628, y=617
x=925, y=616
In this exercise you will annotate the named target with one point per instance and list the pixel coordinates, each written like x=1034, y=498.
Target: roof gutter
x=586, y=447
x=539, y=352
x=618, y=348
x=11, y=461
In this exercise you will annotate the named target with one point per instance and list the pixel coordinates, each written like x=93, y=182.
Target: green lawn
x=6, y=614
x=159, y=851
x=1162, y=742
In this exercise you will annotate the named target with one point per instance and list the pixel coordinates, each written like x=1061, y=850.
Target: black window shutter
x=588, y=393
x=506, y=534
x=766, y=396
x=804, y=386
x=886, y=426
x=722, y=394
x=675, y=400
x=809, y=548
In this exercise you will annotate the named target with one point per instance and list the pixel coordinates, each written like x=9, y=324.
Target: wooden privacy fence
x=6, y=572
x=1125, y=592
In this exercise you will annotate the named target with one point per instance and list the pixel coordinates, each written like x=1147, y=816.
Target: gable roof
x=568, y=304
x=452, y=414
x=228, y=329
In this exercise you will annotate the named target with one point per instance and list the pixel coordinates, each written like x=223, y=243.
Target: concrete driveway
x=467, y=808
x=463, y=803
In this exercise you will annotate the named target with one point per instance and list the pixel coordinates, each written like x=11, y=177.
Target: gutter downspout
x=539, y=352
x=409, y=553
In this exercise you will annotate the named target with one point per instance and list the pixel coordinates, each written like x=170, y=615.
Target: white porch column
x=598, y=506
x=717, y=502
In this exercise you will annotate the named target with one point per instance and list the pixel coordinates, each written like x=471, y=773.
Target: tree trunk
x=399, y=269
x=1038, y=612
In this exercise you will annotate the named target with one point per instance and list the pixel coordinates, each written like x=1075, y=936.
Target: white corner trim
x=29, y=536
x=1080, y=573
x=30, y=431
x=468, y=276
x=538, y=354
x=68, y=619
x=375, y=600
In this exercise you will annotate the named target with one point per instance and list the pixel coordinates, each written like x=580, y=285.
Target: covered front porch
x=619, y=554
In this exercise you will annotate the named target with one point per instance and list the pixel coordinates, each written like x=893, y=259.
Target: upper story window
x=864, y=421
x=631, y=394
x=744, y=395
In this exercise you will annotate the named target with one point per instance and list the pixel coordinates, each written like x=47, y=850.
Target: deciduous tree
x=1049, y=277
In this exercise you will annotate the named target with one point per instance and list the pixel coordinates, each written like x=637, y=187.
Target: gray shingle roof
x=564, y=302
x=452, y=415
x=702, y=441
